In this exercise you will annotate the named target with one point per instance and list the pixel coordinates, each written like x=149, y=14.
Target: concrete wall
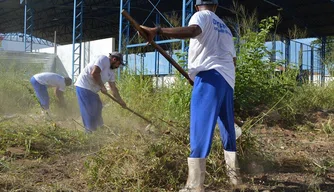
x=18, y=46
x=97, y=47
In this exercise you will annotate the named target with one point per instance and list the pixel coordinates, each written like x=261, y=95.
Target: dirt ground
x=299, y=162
x=295, y=161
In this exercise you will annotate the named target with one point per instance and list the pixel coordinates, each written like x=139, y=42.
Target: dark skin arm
x=96, y=74
x=175, y=32
x=116, y=94
x=60, y=97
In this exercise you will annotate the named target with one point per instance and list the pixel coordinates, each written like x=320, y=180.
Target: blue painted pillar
x=273, y=49
x=157, y=54
x=28, y=25
x=287, y=52
x=124, y=29
x=77, y=36
x=187, y=12
x=323, y=57
x=312, y=63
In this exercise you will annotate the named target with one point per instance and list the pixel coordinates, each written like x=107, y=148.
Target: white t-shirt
x=51, y=80
x=85, y=79
x=213, y=48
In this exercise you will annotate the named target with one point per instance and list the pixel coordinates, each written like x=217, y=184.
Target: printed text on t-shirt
x=221, y=27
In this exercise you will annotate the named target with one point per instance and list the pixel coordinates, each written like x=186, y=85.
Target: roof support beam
x=290, y=12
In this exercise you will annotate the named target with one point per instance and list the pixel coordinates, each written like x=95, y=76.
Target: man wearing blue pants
x=211, y=65
x=42, y=81
x=92, y=80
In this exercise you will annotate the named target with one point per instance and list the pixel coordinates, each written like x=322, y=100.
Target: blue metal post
x=187, y=12
x=300, y=63
x=77, y=37
x=287, y=53
x=28, y=26
x=157, y=38
x=273, y=49
x=323, y=57
x=312, y=63
x=126, y=24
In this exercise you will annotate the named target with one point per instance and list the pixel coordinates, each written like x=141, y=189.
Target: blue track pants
x=90, y=108
x=41, y=92
x=211, y=101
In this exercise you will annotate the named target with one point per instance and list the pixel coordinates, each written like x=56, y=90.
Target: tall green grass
x=125, y=154
x=16, y=93
x=155, y=159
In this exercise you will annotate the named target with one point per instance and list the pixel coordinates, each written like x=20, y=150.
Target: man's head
x=68, y=81
x=206, y=5
x=116, y=59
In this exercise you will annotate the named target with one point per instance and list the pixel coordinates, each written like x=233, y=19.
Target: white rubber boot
x=196, y=175
x=45, y=111
x=46, y=114
x=232, y=168
x=238, y=131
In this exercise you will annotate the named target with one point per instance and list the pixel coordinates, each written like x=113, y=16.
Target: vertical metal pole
x=183, y=22
x=77, y=37
x=73, y=39
x=127, y=34
x=121, y=29
x=273, y=49
x=156, y=53
x=54, y=66
x=312, y=63
x=187, y=11
x=300, y=63
x=287, y=53
x=120, y=36
x=55, y=43
x=120, y=26
x=28, y=26
x=323, y=57
x=25, y=25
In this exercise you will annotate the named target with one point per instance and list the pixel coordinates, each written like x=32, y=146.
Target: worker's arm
x=180, y=32
x=115, y=93
x=96, y=75
x=174, y=32
x=60, y=97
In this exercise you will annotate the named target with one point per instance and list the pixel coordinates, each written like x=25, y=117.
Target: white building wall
x=18, y=46
x=97, y=47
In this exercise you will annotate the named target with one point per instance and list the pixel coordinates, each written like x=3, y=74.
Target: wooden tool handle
x=156, y=46
x=111, y=97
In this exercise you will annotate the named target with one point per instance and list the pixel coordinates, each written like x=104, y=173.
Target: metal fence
x=307, y=58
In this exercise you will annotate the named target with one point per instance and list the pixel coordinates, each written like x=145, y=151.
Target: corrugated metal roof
x=101, y=17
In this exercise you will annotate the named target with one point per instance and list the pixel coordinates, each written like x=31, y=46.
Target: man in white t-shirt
x=92, y=80
x=42, y=81
x=211, y=65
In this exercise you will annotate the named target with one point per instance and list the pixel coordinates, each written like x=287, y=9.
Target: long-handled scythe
x=139, y=115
